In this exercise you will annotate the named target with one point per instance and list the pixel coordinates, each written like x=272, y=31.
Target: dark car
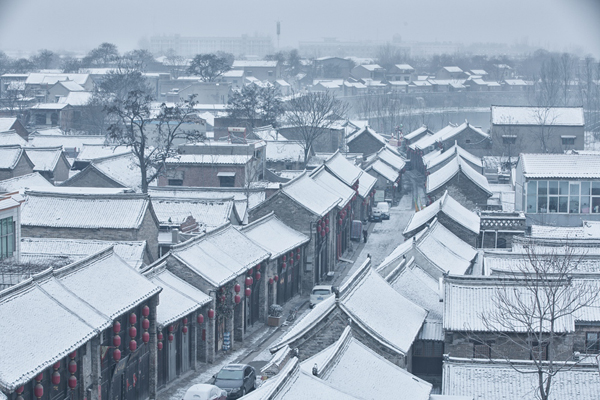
x=236, y=380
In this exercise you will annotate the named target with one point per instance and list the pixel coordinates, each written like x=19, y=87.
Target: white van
x=320, y=293
x=384, y=208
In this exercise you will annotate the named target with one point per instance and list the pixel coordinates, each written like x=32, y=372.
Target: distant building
x=261, y=70
x=190, y=46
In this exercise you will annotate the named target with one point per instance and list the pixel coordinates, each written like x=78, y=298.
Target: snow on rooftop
x=589, y=230
x=497, y=380
x=208, y=213
x=12, y=138
x=220, y=255
x=384, y=170
x=249, y=64
x=454, y=150
x=44, y=159
x=302, y=386
x=368, y=131
x=421, y=288
x=392, y=159
x=91, y=152
x=24, y=182
x=253, y=196
x=333, y=185
x=343, y=366
x=67, y=141
x=305, y=191
x=130, y=251
x=453, y=69
x=443, y=175
x=285, y=151
x=343, y=169
x=10, y=156
x=395, y=326
x=445, y=134
x=274, y=236
x=557, y=116
x=124, y=211
x=451, y=208
x=220, y=159
x=177, y=298
x=537, y=166
x=6, y=124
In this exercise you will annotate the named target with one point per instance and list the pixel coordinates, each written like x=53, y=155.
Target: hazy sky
x=80, y=25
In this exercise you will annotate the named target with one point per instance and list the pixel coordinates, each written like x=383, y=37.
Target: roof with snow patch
x=440, y=177
x=274, y=236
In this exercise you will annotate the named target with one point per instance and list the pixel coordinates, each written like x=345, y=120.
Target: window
x=227, y=181
x=428, y=348
x=592, y=342
x=568, y=140
x=562, y=197
x=482, y=350
x=509, y=139
x=539, y=352
x=468, y=141
x=7, y=237
x=175, y=182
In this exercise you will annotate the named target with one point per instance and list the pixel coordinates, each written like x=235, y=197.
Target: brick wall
x=90, y=177
x=365, y=144
x=148, y=231
x=471, y=141
x=468, y=236
x=203, y=175
x=463, y=190
x=22, y=168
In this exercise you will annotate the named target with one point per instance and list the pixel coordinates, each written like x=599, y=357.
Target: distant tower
x=278, y=33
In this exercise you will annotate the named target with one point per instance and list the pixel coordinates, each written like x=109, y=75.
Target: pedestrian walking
x=365, y=231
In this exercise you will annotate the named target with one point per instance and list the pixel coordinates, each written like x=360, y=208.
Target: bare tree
x=312, y=114
x=254, y=104
x=543, y=131
x=151, y=133
x=533, y=307
x=567, y=67
x=208, y=67
x=548, y=85
x=506, y=140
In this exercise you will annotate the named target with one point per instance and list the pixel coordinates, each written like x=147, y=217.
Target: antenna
x=278, y=33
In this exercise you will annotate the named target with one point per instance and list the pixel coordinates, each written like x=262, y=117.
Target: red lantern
x=145, y=311
x=211, y=313
x=117, y=327
x=116, y=340
x=146, y=324
x=159, y=345
x=73, y=354
x=258, y=267
x=326, y=221
x=132, y=319
x=55, y=378
x=184, y=330
x=72, y=366
x=237, y=288
x=237, y=299
x=298, y=256
x=248, y=292
x=132, y=345
x=283, y=266
x=326, y=230
x=298, y=251
x=249, y=281
x=319, y=228
x=276, y=278
x=171, y=337
x=72, y=382
x=223, y=298
x=56, y=365
x=284, y=258
x=340, y=221
x=258, y=275
x=20, y=389
x=132, y=331
x=185, y=321
x=250, y=271
x=146, y=337
x=171, y=328
x=199, y=319
x=323, y=232
x=270, y=281
x=38, y=391
x=116, y=354
x=160, y=335
x=39, y=377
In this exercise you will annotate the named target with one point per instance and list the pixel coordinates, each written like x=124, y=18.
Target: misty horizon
x=67, y=26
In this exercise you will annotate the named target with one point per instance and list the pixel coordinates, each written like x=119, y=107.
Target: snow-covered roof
x=220, y=159
x=467, y=300
x=453, y=69
x=539, y=166
x=121, y=211
x=448, y=171
x=433, y=329
x=391, y=158
x=371, y=67
x=76, y=98
x=44, y=158
x=588, y=230
x=498, y=380
x=252, y=196
x=177, y=298
x=366, y=131
x=220, y=255
x=366, y=184
x=33, y=249
x=91, y=152
x=343, y=366
x=10, y=156
x=274, y=236
x=421, y=288
x=268, y=133
x=50, y=106
x=404, y=67
x=451, y=208
x=67, y=141
x=71, y=86
x=308, y=193
x=23, y=182
x=397, y=326
x=557, y=116
x=233, y=73
x=208, y=213
x=84, y=296
x=384, y=170
x=445, y=134
x=252, y=64
x=343, y=169
x=6, y=124
x=333, y=185
x=287, y=151
x=12, y=138
x=39, y=78
x=454, y=150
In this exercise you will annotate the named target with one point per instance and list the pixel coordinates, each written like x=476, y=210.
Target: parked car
x=205, y=391
x=236, y=380
x=375, y=214
x=384, y=207
x=320, y=293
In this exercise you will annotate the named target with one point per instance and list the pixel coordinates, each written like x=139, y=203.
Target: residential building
x=368, y=71
x=365, y=141
x=14, y=124
x=332, y=67
x=14, y=162
x=10, y=225
x=50, y=162
x=450, y=73
x=262, y=70
x=401, y=72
